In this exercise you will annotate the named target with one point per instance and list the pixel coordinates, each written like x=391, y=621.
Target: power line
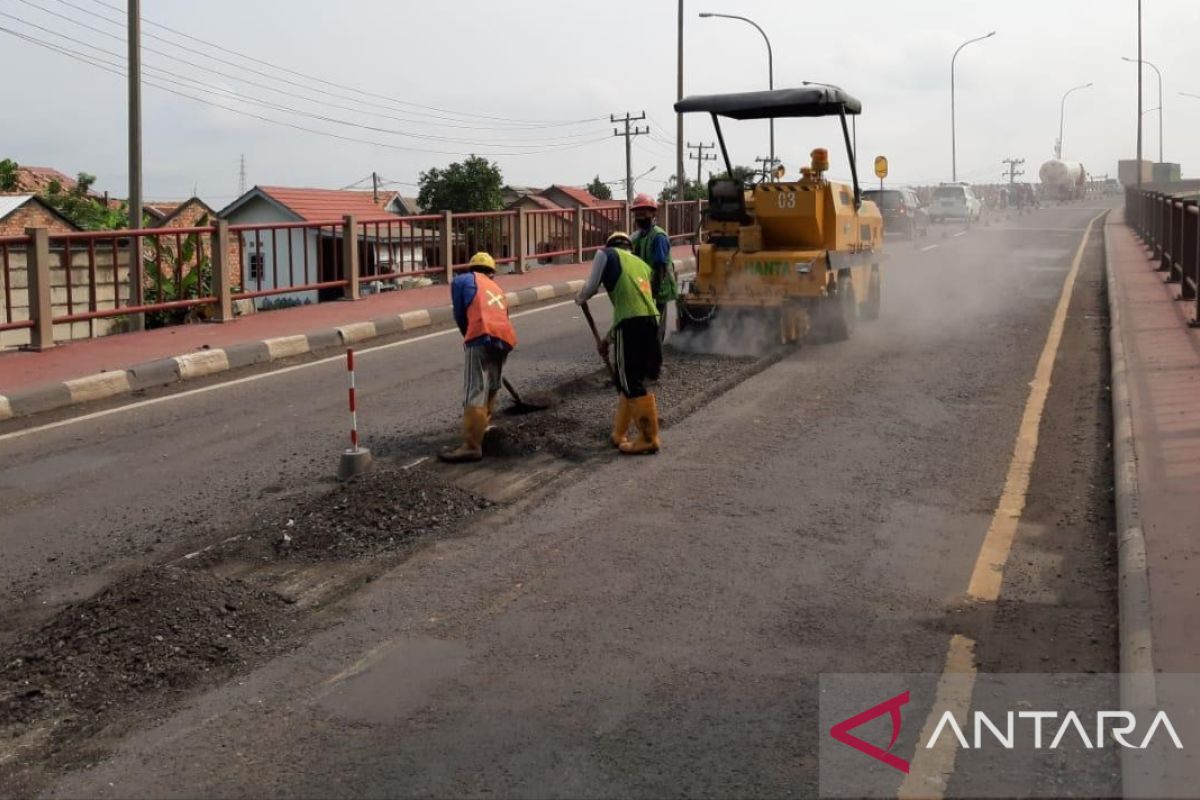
x=108, y=68
x=549, y=143
x=629, y=133
x=468, y=114
x=699, y=157
x=1012, y=172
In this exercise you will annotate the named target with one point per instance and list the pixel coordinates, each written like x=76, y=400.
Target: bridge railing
x=1170, y=226
x=58, y=286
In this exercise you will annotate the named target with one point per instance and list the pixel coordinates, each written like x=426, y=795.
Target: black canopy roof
x=807, y=101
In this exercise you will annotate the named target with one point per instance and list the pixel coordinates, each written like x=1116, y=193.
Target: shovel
x=538, y=401
x=587, y=314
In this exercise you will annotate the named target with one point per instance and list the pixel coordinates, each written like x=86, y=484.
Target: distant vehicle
x=955, y=201
x=1062, y=180
x=902, y=211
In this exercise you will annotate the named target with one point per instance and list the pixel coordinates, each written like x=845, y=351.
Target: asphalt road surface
x=647, y=626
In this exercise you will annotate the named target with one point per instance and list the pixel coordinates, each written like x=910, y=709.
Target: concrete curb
x=1133, y=580
x=165, y=371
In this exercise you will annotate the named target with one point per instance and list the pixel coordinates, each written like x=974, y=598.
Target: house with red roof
x=313, y=251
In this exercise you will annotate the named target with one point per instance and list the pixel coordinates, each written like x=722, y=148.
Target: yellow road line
x=988, y=574
x=931, y=768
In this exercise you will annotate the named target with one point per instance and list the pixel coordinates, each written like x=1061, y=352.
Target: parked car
x=955, y=201
x=902, y=211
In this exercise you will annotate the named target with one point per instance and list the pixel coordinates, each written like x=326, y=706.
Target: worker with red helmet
x=652, y=245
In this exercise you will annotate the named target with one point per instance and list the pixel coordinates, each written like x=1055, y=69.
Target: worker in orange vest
x=481, y=311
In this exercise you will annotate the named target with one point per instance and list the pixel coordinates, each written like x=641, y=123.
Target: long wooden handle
x=587, y=314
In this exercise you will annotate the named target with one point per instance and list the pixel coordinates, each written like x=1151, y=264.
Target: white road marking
x=340, y=357
x=927, y=248
x=960, y=233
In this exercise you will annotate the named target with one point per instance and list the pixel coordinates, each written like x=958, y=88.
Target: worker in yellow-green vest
x=633, y=338
x=652, y=245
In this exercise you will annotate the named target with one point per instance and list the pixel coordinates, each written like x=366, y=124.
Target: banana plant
x=171, y=276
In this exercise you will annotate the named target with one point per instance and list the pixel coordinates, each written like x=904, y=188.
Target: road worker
x=652, y=245
x=481, y=311
x=634, y=340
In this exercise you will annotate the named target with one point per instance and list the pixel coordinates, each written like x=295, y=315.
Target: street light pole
x=953, y=133
x=1160, y=101
x=680, y=178
x=770, y=63
x=1062, y=108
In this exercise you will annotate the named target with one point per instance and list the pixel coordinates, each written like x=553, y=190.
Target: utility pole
x=375, y=187
x=1013, y=172
x=679, y=176
x=629, y=132
x=134, y=37
x=768, y=164
x=242, y=176
x=699, y=157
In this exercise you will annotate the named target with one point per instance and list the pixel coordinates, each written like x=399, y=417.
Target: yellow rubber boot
x=620, y=432
x=645, y=416
x=474, y=424
x=493, y=401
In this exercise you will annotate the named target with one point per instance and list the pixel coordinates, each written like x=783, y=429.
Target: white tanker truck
x=1062, y=180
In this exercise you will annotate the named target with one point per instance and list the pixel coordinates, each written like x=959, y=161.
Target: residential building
x=276, y=257
x=193, y=213
x=21, y=211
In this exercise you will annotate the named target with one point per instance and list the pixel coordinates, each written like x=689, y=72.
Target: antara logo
x=1070, y=723
x=841, y=731
x=1114, y=725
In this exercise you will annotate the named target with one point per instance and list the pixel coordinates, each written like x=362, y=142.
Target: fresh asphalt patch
x=130, y=651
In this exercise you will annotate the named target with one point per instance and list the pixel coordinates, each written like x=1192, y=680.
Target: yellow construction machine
x=801, y=255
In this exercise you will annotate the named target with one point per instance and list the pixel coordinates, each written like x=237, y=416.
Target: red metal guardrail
x=1170, y=226
x=12, y=290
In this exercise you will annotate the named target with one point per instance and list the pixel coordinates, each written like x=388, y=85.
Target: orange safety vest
x=488, y=313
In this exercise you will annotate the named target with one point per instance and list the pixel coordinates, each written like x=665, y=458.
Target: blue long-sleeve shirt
x=462, y=294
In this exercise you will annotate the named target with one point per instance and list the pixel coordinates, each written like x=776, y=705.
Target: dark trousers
x=638, y=355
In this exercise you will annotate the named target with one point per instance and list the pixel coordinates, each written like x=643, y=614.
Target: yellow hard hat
x=484, y=260
x=618, y=238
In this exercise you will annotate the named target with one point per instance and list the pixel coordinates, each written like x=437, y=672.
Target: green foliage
x=691, y=190
x=746, y=175
x=471, y=185
x=8, y=176
x=85, y=211
x=172, y=275
x=599, y=189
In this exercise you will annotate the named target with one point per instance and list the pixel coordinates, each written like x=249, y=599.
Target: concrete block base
x=354, y=462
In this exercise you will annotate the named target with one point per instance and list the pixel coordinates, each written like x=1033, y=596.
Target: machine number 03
x=787, y=199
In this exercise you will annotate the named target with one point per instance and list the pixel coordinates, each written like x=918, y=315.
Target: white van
x=954, y=201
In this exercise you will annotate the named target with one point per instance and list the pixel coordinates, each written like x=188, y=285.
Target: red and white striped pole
x=357, y=459
x=353, y=402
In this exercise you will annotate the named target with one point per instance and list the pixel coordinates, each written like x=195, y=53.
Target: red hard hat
x=644, y=201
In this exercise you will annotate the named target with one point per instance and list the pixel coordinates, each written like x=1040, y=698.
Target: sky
x=531, y=84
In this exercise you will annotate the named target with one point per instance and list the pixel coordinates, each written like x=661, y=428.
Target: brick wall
x=32, y=215
x=191, y=215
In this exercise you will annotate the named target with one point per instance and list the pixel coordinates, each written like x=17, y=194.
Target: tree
x=743, y=174
x=471, y=185
x=599, y=189
x=691, y=190
x=81, y=208
x=8, y=176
